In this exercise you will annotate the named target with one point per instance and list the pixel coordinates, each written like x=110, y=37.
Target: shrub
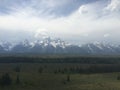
x=68, y=78
x=17, y=79
x=118, y=77
x=40, y=70
x=6, y=80
x=17, y=69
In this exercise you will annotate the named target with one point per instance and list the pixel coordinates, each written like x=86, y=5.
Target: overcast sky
x=75, y=21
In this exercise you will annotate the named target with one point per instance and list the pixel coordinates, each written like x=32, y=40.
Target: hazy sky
x=76, y=21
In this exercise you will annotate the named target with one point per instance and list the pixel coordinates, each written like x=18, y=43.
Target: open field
x=61, y=76
x=33, y=81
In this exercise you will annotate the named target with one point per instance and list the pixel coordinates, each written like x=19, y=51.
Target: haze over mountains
x=57, y=46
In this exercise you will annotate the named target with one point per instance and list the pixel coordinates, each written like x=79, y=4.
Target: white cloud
x=41, y=34
x=106, y=35
x=83, y=9
x=113, y=6
x=83, y=22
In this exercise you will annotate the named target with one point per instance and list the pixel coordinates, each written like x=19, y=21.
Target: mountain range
x=57, y=46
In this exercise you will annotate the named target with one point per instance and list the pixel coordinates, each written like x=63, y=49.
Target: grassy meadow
x=60, y=76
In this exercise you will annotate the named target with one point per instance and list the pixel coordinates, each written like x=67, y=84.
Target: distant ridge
x=57, y=46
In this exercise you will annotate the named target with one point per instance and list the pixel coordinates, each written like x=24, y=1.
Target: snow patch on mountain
x=55, y=46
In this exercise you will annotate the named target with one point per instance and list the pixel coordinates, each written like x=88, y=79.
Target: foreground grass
x=31, y=79
x=49, y=81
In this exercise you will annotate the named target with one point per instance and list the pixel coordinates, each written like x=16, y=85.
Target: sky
x=74, y=21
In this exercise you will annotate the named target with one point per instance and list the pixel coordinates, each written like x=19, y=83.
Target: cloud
x=41, y=34
x=83, y=9
x=86, y=24
x=113, y=6
x=54, y=3
x=45, y=7
x=106, y=35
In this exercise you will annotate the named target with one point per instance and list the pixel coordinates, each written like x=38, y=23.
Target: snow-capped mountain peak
x=57, y=46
